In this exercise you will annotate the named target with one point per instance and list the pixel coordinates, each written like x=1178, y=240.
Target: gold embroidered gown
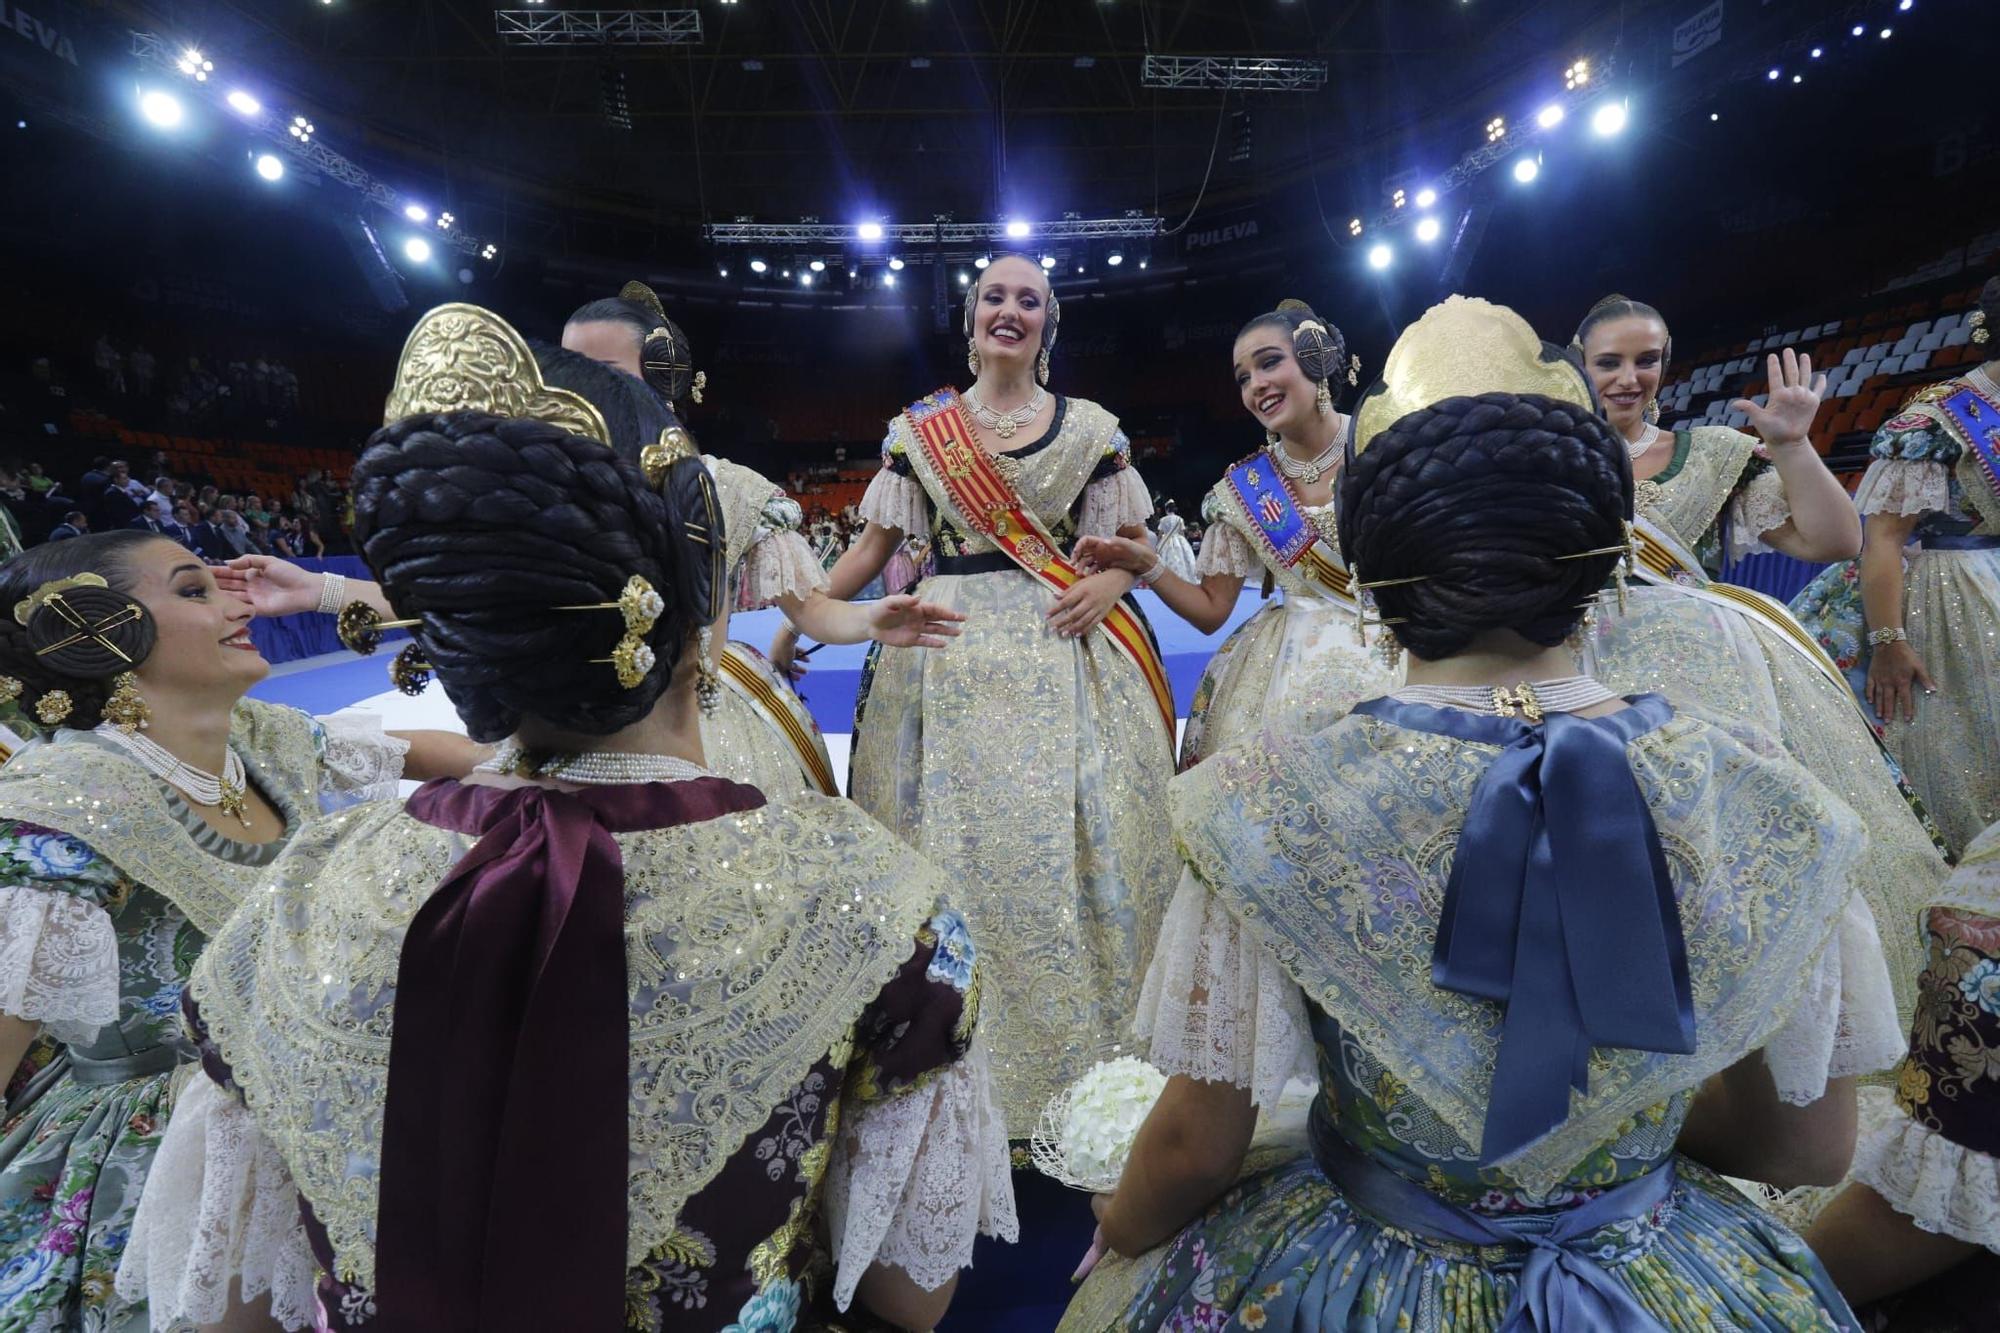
x=1297, y=663
x=1715, y=499
x=1032, y=768
x=762, y=733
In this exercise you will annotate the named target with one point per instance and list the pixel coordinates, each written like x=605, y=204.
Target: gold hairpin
x=641, y=608
x=1393, y=583
x=359, y=627
x=86, y=629
x=53, y=588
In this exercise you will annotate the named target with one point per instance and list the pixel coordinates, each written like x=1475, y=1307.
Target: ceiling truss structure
x=598, y=27
x=941, y=232
x=1268, y=74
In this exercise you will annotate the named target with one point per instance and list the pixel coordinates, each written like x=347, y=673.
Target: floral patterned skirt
x=1284, y=1250
x=72, y=1164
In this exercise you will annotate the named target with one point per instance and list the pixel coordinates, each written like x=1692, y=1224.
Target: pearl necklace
x=1312, y=469
x=1004, y=424
x=597, y=768
x=1647, y=438
x=225, y=793
x=1530, y=701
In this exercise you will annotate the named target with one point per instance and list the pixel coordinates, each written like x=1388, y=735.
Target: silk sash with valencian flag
x=984, y=502
x=1287, y=536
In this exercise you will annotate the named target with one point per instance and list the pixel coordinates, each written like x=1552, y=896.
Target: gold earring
x=1652, y=410
x=1391, y=649
x=410, y=672
x=10, y=689
x=1353, y=370
x=972, y=356
x=126, y=708
x=708, y=681
x=53, y=708
x=1273, y=439
x=1325, y=399
x=1976, y=321
x=699, y=383
x=1042, y=365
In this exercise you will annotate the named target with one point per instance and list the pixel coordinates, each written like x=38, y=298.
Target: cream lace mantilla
x=753, y=942
x=1689, y=502
x=1334, y=851
x=102, y=798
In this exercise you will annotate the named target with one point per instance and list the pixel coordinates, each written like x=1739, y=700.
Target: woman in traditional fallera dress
x=1030, y=760
x=1298, y=662
x=1914, y=1241
x=760, y=732
x=126, y=837
x=1706, y=496
x=1176, y=552
x=1927, y=637
x=728, y=1041
x=1533, y=935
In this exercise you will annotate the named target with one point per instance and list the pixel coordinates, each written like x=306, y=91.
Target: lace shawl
x=1333, y=852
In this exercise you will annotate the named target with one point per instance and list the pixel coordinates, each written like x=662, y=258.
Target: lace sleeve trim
x=1113, y=502
x=1845, y=1023
x=895, y=501
x=1902, y=486
x=1942, y=1186
x=58, y=961
x=359, y=758
x=1217, y=1007
x=779, y=565
x=219, y=1208
x=1758, y=508
x=914, y=1179
x=1223, y=551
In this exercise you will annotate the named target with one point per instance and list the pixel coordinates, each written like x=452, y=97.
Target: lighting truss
x=271, y=124
x=598, y=27
x=779, y=235
x=1259, y=73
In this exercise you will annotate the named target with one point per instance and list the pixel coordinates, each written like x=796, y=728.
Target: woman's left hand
x=1791, y=404
x=1078, y=611
x=904, y=622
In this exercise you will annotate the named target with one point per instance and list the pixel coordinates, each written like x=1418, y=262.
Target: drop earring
x=972, y=357
x=126, y=708
x=1325, y=399
x=708, y=681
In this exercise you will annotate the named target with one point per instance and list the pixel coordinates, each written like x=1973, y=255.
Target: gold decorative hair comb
x=463, y=357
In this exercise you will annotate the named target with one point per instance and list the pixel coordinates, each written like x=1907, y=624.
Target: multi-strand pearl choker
x=224, y=793
x=597, y=768
x=1531, y=700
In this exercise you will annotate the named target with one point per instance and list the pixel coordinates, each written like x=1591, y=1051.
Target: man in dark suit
x=116, y=507
x=74, y=524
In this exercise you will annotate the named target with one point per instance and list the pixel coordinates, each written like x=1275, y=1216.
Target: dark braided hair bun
x=1480, y=496
x=481, y=525
x=82, y=671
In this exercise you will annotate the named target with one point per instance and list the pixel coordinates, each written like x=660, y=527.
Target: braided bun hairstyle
x=480, y=525
x=1317, y=344
x=666, y=362
x=1478, y=497
x=83, y=671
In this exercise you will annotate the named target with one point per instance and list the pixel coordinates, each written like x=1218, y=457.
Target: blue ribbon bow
x=1559, y=907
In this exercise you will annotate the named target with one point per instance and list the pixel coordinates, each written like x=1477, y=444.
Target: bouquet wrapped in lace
x=1086, y=1131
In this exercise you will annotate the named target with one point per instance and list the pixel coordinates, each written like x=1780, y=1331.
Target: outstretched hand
x=902, y=621
x=1792, y=403
x=273, y=587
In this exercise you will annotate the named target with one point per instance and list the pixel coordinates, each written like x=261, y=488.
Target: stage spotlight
x=444, y=221
x=1496, y=129
x=982, y=261
x=1429, y=229
x=818, y=266
x=1886, y=33
x=1817, y=52
x=1772, y=74
x=1798, y=78
x=269, y=167
x=1714, y=116
x=888, y=280
x=1526, y=170
x=852, y=274
x=785, y=273
x=1018, y=230
x=242, y=103
x=1115, y=258
x=492, y=251
x=805, y=279
x=869, y=231
x=1577, y=75
x=163, y=109
x=759, y=266
x=417, y=250
x=1380, y=256
x=1856, y=30
x=1048, y=262
x=1426, y=197
x=1608, y=119
x=1079, y=268
x=301, y=129
x=1904, y=5
x=1144, y=262
x=1354, y=226
x=1396, y=200
x=1549, y=116
x=964, y=279
x=895, y=264
x=416, y=213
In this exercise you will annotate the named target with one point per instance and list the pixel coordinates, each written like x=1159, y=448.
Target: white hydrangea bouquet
x=1086, y=1131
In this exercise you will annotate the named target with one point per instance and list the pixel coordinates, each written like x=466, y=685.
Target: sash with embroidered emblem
x=1267, y=501
x=1975, y=419
x=985, y=502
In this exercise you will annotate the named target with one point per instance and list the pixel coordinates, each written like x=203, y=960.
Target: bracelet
x=1159, y=567
x=1896, y=634
x=332, y=594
